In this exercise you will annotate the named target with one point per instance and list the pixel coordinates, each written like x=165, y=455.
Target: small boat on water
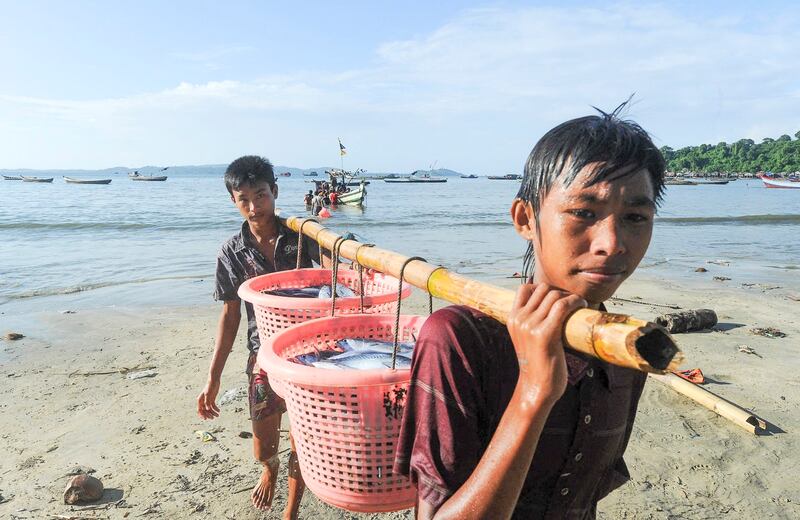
x=506, y=177
x=285, y=174
x=310, y=174
x=713, y=181
x=36, y=179
x=12, y=178
x=470, y=176
x=778, y=182
x=72, y=180
x=416, y=177
x=679, y=182
x=136, y=176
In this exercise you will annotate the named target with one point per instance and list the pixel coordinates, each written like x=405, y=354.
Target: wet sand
x=60, y=410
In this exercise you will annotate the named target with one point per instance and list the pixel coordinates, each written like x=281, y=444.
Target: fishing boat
x=72, y=180
x=777, y=182
x=679, y=182
x=136, y=176
x=12, y=178
x=356, y=197
x=285, y=174
x=713, y=181
x=506, y=177
x=470, y=176
x=310, y=174
x=36, y=179
x=416, y=177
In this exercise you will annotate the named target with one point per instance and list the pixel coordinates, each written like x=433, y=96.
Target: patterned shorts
x=263, y=400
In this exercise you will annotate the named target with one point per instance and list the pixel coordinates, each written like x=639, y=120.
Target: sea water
x=155, y=243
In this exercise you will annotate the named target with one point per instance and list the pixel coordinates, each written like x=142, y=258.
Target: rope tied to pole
x=300, y=244
x=335, y=271
x=361, y=278
x=399, y=302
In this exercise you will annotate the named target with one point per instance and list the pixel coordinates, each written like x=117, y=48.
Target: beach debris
x=204, y=435
x=768, y=332
x=640, y=301
x=137, y=430
x=13, y=336
x=718, y=262
x=245, y=435
x=721, y=278
x=142, y=374
x=701, y=270
x=52, y=448
x=3, y=499
x=688, y=321
x=693, y=375
x=123, y=371
x=31, y=462
x=194, y=458
x=749, y=350
x=233, y=394
x=67, y=311
x=79, y=470
x=83, y=488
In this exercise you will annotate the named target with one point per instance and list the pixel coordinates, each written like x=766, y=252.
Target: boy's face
x=256, y=203
x=590, y=238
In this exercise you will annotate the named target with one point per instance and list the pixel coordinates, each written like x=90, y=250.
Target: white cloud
x=514, y=69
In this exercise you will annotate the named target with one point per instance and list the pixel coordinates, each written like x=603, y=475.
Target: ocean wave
x=740, y=219
x=72, y=289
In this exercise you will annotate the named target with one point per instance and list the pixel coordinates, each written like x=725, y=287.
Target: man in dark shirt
x=501, y=421
x=264, y=245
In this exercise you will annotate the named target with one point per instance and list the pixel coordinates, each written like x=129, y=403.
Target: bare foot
x=264, y=491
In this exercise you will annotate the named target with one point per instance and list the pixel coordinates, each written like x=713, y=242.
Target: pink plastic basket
x=275, y=313
x=346, y=422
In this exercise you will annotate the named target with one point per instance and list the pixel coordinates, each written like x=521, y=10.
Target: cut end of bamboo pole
x=658, y=349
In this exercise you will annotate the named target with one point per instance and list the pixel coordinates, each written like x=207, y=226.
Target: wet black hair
x=249, y=170
x=620, y=146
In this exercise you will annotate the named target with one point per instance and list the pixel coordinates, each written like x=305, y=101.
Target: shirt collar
x=245, y=240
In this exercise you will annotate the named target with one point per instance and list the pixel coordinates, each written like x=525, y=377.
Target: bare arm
x=493, y=488
x=226, y=334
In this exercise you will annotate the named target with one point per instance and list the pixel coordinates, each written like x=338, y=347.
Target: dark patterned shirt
x=463, y=374
x=239, y=260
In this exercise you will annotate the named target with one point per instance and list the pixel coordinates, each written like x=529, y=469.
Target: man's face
x=591, y=238
x=256, y=203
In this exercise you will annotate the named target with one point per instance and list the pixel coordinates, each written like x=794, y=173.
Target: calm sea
x=135, y=244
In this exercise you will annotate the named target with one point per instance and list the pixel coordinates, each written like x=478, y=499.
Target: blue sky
x=469, y=85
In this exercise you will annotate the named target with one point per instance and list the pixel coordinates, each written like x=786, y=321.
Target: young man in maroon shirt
x=501, y=421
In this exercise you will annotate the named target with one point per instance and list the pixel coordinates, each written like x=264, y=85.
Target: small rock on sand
x=83, y=488
x=768, y=332
x=13, y=336
x=721, y=278
x=701, y=270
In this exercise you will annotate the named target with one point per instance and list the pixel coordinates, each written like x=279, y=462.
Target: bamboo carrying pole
x=614, y=338
x=713, y=402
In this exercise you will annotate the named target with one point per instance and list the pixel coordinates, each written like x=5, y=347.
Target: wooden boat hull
x=36, y=179
x=780, y=183
x=148, y=178
x=413, y=181
x=352, y=198
x=70, y=180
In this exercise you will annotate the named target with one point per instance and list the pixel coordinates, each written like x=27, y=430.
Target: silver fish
x=374, y=345
x=364, y=361
x=342, y=291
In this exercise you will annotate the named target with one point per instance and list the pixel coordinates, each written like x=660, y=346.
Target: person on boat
x=502, y=421
x=263, y=245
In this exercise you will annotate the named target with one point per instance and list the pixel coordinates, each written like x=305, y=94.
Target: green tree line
x=745, y=155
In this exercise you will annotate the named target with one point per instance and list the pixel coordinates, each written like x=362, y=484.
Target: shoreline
x=139, y=433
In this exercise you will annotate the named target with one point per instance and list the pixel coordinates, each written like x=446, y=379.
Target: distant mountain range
x=204, y=169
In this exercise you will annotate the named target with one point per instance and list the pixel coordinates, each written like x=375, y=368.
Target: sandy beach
x=67, y=399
